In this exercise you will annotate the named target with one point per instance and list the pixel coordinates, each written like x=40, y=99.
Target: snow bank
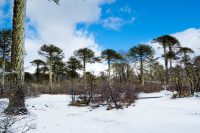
x=154, y=115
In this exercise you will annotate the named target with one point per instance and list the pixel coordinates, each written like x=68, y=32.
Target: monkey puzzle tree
x=52, y=54
x=166, y=41
x=38, y=63
x=185, y=51
x=141, y=53
x=73, y=65
x=5, y=48
x=91, y=79
x=189, y=67
x=85, y=55
x=59, y=68
x=16, y=99
x=110, y=55
x=173, y=45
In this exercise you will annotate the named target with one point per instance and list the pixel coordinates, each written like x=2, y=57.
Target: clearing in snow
x=148, y=115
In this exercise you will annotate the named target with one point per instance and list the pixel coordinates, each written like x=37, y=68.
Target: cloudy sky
x=101, y=24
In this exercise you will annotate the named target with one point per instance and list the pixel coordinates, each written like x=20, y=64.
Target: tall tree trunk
x=110, y=85
x=123, y=74
x=3, y=73
x=37, y=73
x=55, y=74
x=127, y=72
x=109, y=78
x=166, y=66
x=16, y=99
x=50, y=75
x=142, y=71
x=170, y=62
x=151, y=74
x=170, y=72
x=84, y=72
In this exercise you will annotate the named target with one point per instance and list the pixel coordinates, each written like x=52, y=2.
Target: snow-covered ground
x=154, y=115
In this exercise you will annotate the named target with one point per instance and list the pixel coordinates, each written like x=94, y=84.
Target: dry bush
x=150, y=87
x=15, y=123
x=12, y=124
x=78, y=103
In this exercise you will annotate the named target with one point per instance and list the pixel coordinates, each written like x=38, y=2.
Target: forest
x=128, y=75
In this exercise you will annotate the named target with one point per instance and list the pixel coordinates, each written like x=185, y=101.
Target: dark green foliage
x=141, y=53
x=51, y=51
x=185, y=51
x=38, y=63
x=110, y=55
x=73, y=65
x=86, y=55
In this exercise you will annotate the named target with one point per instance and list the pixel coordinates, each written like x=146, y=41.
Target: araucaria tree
x=16, y=99
x=167, y=41
x=73, y=65
x=110, y=55
x=52, y=54
x=85, y=55
x=38, y=63
x=185, y=51
x=141, y=53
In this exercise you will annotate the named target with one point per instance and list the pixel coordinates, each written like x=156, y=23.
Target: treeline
x=128, y=72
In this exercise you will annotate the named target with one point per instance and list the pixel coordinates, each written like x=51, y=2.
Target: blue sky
x=152, y=18
x=102, y=24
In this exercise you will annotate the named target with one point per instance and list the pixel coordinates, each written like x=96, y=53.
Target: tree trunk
x=170, y=70
x=170, y=62
x=110, y=85
x=3, y=71
x=109, y=71
x=166, y=66
x=84, y=72
x=123, y=74
x=142, y=71
x=50, y=75
x=127, y=72
x=55, y=74
x=16, y=99
x=37, y=74
x=151, y=75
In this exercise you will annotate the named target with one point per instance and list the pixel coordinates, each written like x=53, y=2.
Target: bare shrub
x=12, y=124
x=15, y=123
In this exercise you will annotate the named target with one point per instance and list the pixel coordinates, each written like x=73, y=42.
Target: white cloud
x=56, y=24
x=126, y=9
x=190, y=38
x=115, y=23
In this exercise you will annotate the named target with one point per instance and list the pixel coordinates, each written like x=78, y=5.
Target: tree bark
x=3, y=70
x=37, y=73
x=16, y=99
x=84, y=72
x=142, y=71
x=110, y=85
x=166, y=66
x=50, y=75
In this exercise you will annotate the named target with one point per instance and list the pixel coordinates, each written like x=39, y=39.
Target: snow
x=149, y=115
